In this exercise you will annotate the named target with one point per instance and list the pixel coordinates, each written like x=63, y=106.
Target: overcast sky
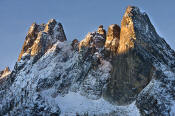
x=78, y=17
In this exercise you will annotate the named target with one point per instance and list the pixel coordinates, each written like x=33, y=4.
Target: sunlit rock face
x=5, y=72
x=41, y=37
x=50, y=26
x=4, y=78
x=30, y=38
x=113, y=38
x=95, y=40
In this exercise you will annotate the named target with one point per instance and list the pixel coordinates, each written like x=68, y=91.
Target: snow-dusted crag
x=126, y=71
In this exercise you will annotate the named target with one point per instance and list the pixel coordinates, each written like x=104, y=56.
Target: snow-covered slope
x=56, y=83
x=57, y=77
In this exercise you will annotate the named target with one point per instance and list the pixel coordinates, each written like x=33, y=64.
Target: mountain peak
x=139, y=54
x=129, y=66
x=102, y=31
x=50, y=26
x=95, y=39
x=41, y=37
x=5, y=72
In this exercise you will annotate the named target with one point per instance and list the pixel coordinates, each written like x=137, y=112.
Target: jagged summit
x=100, y=39
x=95, y=40
x=128, y=70
x=41, y=37
x=5, y=72
x=102, y=31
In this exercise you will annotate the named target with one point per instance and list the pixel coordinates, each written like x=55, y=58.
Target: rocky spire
x=94, y=39
x=5, y=72
x=50, y=26
x=113, y=38
x=41, y=37
x=127, y=34
x=74, y=44
x=101, y=31
x=30, y=38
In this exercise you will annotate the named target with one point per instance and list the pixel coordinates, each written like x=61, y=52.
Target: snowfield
x=73, y=103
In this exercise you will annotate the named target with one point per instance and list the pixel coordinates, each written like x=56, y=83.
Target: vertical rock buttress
x=132, y=71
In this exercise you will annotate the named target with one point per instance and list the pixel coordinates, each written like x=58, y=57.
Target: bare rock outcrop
x=75, y=44
x=4, y=76
x=5, y=72
x=94, y=39
x=41, y=37
x=113, y=38
x=101, y=31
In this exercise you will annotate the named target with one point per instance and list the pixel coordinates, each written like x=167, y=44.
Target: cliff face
x=129, y=66
x=139, y=60
x=133, y=68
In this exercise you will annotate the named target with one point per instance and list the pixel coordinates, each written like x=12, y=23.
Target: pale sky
x=78, y=17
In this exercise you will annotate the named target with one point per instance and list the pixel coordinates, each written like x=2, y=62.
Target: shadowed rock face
x=41, y=37
x=74, y=44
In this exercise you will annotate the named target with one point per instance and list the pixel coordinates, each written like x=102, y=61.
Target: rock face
x=75, y=44
x=41, y=37
x=5, y=72
x=135, y=70
x=94, y=40
x=101, y=31
x=4, y=78
x=57, y=77
x=141, y=54
x=113, y=38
